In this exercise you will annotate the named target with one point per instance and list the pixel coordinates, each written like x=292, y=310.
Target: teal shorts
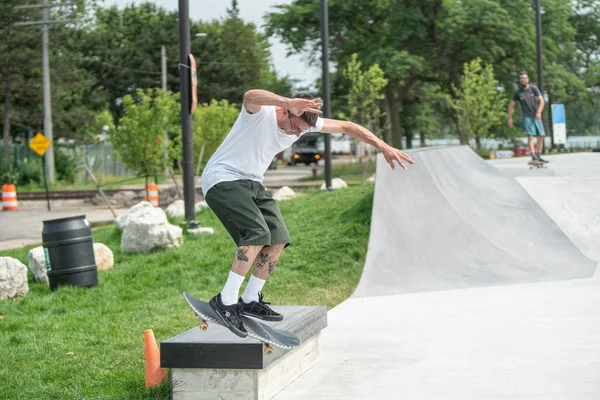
x=533, y=127
x=249, y=213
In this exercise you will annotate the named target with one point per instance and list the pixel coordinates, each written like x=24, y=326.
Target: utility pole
x=49, y=156
x=7, y=94
x=326, y=97
x=163, y=70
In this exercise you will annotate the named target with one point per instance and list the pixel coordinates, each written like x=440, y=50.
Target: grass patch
x=351, y=173
x=103, y=327
x=106, y=182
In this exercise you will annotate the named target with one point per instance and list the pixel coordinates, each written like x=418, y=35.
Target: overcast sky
x=250, y=11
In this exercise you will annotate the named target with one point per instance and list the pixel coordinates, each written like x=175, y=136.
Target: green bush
x=9, y=175
x=65, y=163
x=31, y=172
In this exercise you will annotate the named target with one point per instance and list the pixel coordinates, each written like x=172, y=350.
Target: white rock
x=336, y=183
x=176, y=209
x=142, y=236
x=201, y=231
x=201, y=205
x=284, y=193
x=37, y=265
x=124, y=198
x=13, y=278
x=141, y=211
x=104, y=257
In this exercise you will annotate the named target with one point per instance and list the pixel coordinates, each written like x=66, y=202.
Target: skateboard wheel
x=203, y=325
x=268, y=350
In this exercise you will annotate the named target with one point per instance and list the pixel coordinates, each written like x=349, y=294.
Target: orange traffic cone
x=155, y=375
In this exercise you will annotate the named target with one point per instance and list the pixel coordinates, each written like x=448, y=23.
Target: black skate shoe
x=259, y=309
x=230, y=315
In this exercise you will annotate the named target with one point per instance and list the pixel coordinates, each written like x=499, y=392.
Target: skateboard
x=536, y=164
x=271, y=337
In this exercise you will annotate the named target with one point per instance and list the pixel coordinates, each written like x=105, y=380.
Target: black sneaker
x=259, y=309
x=230, y=315
x=540, y=159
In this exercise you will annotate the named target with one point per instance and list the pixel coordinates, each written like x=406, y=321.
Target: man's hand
x=392, y=154
x=300, y=106
x=510, y=123
x=538, y=115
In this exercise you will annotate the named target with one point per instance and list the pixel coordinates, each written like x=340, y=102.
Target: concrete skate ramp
x=453, y=221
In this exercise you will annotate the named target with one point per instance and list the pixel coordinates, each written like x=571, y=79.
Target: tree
x=232, y=58
x=478, y=104
x=138, y=140
x=21, y=72
x=212, y=123
x=424, y=42
x=366, y=90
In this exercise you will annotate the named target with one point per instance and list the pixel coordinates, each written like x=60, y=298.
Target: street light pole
x=540, y=72
x=325, y=79
x=538, y=37
x=186, y=116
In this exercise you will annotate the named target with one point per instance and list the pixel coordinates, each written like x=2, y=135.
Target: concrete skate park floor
x=523, y=330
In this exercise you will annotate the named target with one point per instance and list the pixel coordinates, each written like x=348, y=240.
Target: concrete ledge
x=219, y=348
x=245, y=384
x=216, y=364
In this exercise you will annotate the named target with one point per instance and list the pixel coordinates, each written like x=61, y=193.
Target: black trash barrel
x=69, y=252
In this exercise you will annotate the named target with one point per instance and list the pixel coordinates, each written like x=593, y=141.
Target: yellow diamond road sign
x=39, y=144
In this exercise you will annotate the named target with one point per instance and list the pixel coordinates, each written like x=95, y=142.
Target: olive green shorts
x=249, y=213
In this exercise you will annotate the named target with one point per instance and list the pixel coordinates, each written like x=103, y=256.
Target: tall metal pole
x=163, y=67
x=538, y=36
x=538, y=40
x=325, y=79
x=186, y=117
x=163, y=79
x=46, y=92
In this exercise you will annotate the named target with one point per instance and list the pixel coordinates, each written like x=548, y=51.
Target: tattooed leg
x=241, y=263
x=266, y=260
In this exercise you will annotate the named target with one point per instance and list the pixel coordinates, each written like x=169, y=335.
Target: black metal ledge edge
x=219, y=348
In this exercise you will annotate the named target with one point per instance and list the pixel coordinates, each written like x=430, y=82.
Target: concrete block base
x=246, y=384
x=219, y=365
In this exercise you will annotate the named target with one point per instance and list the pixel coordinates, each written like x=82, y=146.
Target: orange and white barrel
x=9, y=197
x=152, y=190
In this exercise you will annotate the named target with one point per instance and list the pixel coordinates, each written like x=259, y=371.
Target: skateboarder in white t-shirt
x=232, y=187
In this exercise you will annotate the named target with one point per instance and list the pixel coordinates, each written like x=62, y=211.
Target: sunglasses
x=294, y=127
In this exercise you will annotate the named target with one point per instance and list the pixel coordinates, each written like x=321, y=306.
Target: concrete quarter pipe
x=453, y=221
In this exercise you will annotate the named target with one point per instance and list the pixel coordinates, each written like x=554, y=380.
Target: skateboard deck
x=536, y=164
x=256, y=330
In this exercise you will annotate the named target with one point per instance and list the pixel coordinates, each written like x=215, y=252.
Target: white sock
x=230, y=292
x=255, y=285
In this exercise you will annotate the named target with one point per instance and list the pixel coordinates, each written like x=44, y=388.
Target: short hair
x=309, y=117
x=523, y=72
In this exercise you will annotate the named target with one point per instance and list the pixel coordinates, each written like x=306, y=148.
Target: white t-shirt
x=249, y=148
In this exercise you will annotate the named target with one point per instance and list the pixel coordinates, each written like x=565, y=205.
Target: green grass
x=351, y=173
x=105, y=182
x=104, y=326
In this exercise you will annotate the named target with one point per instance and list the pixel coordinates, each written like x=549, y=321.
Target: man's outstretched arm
x=256, y=98
x=364, y=135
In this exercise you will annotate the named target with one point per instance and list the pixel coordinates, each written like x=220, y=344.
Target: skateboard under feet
x=271, y=337
x=536, y=164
